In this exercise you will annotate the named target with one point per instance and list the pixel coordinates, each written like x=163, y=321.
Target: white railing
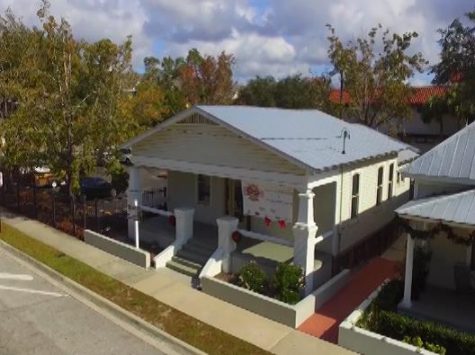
x=264, y=237
x=156, y=211
x=324, y=236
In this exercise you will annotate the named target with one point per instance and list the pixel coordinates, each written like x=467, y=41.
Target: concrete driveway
x=37, y=317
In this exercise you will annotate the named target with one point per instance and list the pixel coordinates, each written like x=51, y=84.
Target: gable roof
x=454, y=158
x=454, y=208
x=309, y=138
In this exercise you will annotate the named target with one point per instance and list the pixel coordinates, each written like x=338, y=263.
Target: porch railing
x=155, y=198
x=158, y=211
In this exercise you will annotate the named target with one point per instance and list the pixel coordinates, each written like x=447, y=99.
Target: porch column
x=183, y=225
x=226, y=227
x=406, y=301
x=304, y=232
x=133, y=193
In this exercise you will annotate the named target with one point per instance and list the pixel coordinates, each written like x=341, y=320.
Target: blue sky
x=267, y=37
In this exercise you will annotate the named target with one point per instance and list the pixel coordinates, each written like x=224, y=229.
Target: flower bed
x=381, y=317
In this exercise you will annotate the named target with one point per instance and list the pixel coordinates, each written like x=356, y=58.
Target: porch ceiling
x=456, y=208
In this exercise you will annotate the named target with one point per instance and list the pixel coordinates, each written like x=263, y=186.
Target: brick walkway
x=324, y=324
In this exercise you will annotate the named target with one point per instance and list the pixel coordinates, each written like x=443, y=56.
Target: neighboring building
x=414, y=130
x=441, y=220
x=301, y=184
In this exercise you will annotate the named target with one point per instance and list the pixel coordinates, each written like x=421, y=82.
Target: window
x=379, y=188
x=355, y=195
x=390, y=181
x=204, y=189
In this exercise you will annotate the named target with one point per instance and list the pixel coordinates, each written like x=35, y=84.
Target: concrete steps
x=191, y=258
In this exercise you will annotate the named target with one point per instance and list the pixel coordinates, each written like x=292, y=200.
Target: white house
x=442, y=219
x=297, y=184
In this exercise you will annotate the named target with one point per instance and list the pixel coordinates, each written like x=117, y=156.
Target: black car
x=96, y=187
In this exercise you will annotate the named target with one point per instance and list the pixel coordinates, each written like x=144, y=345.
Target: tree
x=456, y=69
x=196, y=79
x=377, y=82
x=68, y=114
x=259, y=91
x=145, y=105
x=290, y=92
x=299, y=92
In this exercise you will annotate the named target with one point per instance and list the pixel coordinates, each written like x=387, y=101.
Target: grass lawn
x=172, y=321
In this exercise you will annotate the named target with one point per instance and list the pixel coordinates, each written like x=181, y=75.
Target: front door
x=234, y=203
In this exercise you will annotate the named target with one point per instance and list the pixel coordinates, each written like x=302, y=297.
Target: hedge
x=381, y=317
x=398, y=326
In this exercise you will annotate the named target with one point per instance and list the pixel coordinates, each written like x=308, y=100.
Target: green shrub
x=417, y=341
x=390, y=295
x=287, y=282
x=381, y=317
x=252, y=278
x=398, y=326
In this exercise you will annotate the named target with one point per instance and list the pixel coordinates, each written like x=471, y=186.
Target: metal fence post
x=96, y=215
x=54, y=208
x=84, y=213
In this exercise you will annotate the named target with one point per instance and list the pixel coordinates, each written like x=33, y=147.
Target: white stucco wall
x=183, y=192
x=371, y=217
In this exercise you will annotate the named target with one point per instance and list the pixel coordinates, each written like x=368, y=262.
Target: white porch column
x=226, y=227
x=183, y=225
x=406, y=301
x=133, y=193
x=304, y=232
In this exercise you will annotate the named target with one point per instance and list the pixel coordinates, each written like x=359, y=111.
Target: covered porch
x=439, y=281
x=183, y=218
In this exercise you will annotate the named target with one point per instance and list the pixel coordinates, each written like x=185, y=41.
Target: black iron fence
x=55, y=208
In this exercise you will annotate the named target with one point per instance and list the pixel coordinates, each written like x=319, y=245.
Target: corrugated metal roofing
x=406, y=156
x=455, y=208
x=453, y=158
x=309, y=136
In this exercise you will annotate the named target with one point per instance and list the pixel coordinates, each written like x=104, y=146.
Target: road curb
x=78, y=291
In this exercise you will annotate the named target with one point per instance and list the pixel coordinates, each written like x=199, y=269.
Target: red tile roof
x=420, y=95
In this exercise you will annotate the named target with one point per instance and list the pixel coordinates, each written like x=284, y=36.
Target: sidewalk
x=175, y=290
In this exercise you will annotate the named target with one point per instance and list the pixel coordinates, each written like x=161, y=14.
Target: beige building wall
x=445, y=254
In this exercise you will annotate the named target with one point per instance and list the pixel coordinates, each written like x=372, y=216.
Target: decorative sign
x=268, y=201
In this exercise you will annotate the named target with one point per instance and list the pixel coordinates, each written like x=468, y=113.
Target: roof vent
x=345, y=133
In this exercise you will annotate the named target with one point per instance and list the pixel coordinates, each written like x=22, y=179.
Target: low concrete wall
x=290, y=315
x=214, y=265
x=119, y=249
x=330, y=288
x=369, y=343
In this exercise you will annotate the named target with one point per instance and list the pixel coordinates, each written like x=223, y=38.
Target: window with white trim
x=204, y=190
x=355, y=196
x=379, y=186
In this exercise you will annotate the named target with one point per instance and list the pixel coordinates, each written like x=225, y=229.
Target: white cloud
x=275, y=37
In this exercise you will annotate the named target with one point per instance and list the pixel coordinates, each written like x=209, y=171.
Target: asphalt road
x=37, y=317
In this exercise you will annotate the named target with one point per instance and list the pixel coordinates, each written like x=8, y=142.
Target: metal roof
x=311, y=137
x=455, y=208
x=406, y=156
x=454, y=158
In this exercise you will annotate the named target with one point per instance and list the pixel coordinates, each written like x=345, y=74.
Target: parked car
x=96, y=187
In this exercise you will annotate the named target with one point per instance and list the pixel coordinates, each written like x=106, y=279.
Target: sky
x=267, y=37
